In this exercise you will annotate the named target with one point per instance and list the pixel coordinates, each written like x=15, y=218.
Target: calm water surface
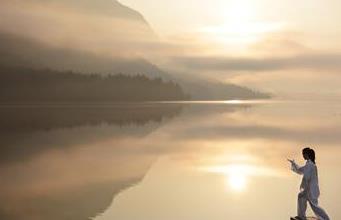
x=165, y=161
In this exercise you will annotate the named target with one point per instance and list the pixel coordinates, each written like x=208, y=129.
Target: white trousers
x=302, y=207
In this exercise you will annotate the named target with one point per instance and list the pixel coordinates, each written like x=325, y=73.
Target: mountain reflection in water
x=67, y=162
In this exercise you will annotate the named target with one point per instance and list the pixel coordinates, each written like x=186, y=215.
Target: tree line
x=28, y=85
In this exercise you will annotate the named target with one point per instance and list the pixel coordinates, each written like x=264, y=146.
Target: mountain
x=110, y=8
x=21, y=51
x=87, y=36
x=104, y=8
x=104, y=27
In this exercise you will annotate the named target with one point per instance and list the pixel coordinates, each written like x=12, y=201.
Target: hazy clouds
x=314, y=61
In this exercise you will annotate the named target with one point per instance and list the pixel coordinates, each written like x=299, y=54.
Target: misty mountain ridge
x=82, y=53
x=17, y=50
x=101, y=7
x=103, y=27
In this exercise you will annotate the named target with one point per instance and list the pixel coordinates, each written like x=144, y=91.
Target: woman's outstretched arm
x=296, y=168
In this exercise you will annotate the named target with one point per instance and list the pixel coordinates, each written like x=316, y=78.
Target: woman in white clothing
x=309, y=188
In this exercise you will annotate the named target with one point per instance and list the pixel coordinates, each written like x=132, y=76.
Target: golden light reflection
x=237, y=182
x=238, y=175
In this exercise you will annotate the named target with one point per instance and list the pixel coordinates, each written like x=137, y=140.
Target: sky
x=243, y=17
x=257, y=43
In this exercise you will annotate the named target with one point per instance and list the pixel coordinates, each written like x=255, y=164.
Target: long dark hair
x=310, y=153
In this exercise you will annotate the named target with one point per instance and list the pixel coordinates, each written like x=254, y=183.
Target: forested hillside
x=27, y=85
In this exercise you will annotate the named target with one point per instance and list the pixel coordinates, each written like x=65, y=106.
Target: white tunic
x=309, y=182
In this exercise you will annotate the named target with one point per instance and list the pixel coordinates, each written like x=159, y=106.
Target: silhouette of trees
x=27, y=85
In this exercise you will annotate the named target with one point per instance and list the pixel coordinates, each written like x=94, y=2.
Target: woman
x=309, y=189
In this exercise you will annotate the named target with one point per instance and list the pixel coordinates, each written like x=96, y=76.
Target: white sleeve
x=297, y=169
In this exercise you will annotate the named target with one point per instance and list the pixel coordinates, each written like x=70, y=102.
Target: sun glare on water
x=237, y=182
x=237, y=175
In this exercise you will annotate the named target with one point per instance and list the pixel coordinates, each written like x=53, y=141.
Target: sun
x=240, y=10
x=241, y=25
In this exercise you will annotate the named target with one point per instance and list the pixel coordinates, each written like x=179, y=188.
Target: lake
x=165, y=160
